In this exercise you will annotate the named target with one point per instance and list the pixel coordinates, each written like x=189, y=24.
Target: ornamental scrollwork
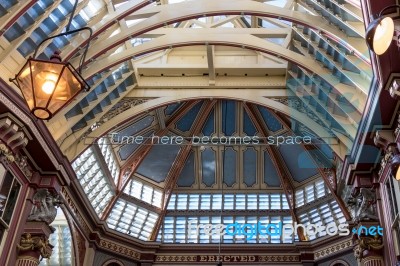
x=385, y=160
x=364, y=243
x=22, y=163
x=6, y=153
x=397, y=130
x=44, y=206
x=37, y=243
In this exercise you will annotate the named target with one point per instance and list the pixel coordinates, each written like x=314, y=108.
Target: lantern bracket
x=83, y=57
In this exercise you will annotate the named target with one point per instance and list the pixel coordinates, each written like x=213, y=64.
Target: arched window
x=113, y=262
x=61, y=239
x=339, y=263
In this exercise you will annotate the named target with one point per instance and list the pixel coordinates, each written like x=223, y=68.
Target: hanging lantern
x=48, y=86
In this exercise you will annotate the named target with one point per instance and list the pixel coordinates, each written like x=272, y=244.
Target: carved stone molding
x=6, y=153
x=327, y=251
x=123, y=250
x=12, y=134
x=80, y=221
x=33, y=127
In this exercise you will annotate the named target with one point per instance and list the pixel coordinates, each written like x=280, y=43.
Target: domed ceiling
x=167, y=68
x=224, y=152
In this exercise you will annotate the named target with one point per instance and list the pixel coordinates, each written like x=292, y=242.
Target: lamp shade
x=394, y=164
x=48, y=86
x=379, y=34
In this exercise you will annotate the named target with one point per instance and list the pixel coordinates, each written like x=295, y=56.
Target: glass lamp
x=47, y=86
x=394, y=164
x=379, y=33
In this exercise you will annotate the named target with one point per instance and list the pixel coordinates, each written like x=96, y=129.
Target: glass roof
x=249, y=171
x=154, y=72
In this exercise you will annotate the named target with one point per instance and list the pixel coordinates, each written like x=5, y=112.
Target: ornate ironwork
x=297, y=104
x=123, y=105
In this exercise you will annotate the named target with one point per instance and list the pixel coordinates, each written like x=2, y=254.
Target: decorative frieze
x=279, y=258
x=327, y=251
x=75, y=212
x=123, y=105
x=114, y=247
x=297, y=104
x=232, y=259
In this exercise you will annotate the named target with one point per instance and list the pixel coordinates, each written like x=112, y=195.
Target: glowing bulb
x=398, y=174
x=383, y=35
x=48, y=86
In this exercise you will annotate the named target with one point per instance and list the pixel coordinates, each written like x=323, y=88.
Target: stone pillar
x=34, y=244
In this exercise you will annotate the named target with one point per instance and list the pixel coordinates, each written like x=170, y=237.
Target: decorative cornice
x=123, y=250
x=68, y=201
x=11, y=105
x=279, y=258
x=333, y=249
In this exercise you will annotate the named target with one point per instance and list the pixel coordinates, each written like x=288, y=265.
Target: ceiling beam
x=105, y=23
x=211, y=66
x=242, y=41
x=168, y=14
x=13, y=14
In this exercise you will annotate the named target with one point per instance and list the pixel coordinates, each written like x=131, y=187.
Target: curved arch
x=72, y=147
x=168, y=14
x=249, y=42
x=113, y=262
x=339, y=263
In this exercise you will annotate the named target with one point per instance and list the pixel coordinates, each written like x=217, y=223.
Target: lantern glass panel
x=54, y=85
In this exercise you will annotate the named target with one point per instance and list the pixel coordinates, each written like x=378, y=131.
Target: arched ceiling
x=168, y=67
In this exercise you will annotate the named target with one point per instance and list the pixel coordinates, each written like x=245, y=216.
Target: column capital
x=368, y=246
x=34, y=246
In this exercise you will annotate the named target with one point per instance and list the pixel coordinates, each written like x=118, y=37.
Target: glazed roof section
x=308, y=58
